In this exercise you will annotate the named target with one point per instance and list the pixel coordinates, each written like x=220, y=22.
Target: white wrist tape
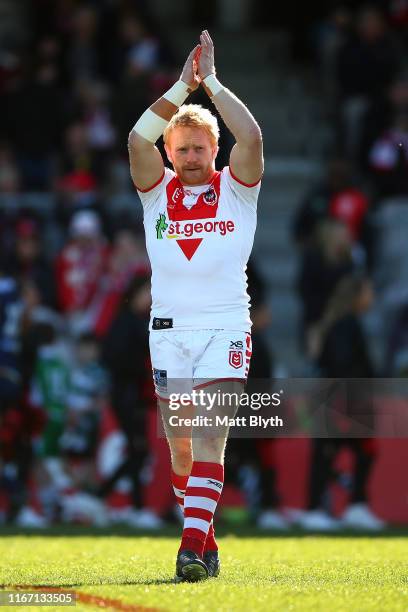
x=213, y=84
x=177, y=94
x=150, y=126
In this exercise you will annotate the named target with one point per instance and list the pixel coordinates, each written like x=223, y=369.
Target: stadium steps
x=283, y=187
x=256, y=66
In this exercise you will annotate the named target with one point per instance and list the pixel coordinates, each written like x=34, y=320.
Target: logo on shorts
x=236, y=359
x=160, y=379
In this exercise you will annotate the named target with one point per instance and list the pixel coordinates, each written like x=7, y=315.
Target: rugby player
x=200, y=226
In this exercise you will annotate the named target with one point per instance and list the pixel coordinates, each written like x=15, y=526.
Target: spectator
x=366, y=65
x=252, y=461
x=337, y=197
x=80, y=268
x=49, y=393
x=127, y=259
x=381, y=115
x=126, y=357
x=87, y=396
x=77, y=175
x=323, y=265
x=344, y=353
x=34, y=126
x=12, y=480
x=82, y=53
x=262, y=452
x=344, y=350
x=131, y=96
x=29, y=262
x=95, y=114
x=140, y=47
x=35, y=312
x=330, y=36
x=10, y=314
x=388, y=157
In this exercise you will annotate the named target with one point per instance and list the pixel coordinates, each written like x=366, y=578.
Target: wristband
x=213, y=84
x=150, y=126
x=178, y=93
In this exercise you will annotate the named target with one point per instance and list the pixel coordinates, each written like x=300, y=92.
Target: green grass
x=268, y=573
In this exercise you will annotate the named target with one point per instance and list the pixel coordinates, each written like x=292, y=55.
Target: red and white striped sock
x=203, y=491
x=179, y=487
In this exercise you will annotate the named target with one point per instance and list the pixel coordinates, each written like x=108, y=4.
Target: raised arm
x=146, y=163
x=246, y=159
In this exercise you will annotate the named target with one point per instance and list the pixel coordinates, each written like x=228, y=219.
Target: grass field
x=133, y=572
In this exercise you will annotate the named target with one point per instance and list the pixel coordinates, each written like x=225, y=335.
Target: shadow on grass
x=239, y=531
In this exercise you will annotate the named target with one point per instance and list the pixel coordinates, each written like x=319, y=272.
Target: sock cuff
x=178, y=481
x=206, y=469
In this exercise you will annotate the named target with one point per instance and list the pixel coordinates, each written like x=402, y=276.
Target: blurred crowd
x=361, y=58
x=74, y=273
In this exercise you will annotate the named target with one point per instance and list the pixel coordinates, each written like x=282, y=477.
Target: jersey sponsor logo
x=161, y=226
x=185, y=221
x=183, y=232
x=236, y=359
x=208, y=227
x=237, y=345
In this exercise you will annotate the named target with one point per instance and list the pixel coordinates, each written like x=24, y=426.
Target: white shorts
x=190, y=359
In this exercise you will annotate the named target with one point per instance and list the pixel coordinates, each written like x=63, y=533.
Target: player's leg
x=206, y=479
x=225, y=357
x=172, y=372
x=222, y=355
x=189, y=566
x=181, y=454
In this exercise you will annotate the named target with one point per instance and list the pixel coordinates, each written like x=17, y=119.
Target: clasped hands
x=200, y=62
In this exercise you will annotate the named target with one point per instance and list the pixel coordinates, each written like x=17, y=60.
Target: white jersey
x=199, y=240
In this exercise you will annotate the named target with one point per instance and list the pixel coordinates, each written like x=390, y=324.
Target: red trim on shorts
x=215, y=380
x=242, y=182
x=167, y=400
x=153, y=186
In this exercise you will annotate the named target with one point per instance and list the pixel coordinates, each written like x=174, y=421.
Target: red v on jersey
x=205, y=207
x=189, y=246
